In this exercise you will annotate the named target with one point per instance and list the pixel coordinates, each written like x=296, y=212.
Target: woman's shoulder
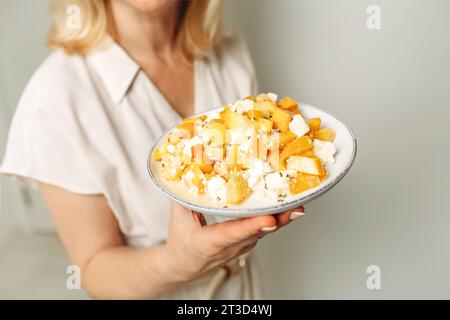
x=56, y=82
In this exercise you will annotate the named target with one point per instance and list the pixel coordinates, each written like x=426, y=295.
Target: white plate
x=257, y=203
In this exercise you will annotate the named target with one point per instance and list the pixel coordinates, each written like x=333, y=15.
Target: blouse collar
x=115, y=67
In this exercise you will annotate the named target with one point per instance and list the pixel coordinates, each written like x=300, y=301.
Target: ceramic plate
x=257, y=203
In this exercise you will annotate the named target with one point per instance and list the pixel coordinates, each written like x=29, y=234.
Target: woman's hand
x=194, y=248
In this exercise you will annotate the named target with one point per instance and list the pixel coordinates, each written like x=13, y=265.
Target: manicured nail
x=268, y=229
x=296, y=214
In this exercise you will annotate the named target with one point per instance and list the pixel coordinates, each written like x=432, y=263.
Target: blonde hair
x=199, y=26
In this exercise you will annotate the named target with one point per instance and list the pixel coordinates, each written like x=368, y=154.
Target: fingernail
x=296, y=214
x=268, y=229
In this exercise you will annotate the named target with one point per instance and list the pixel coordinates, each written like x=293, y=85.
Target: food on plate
x=237, y=188
x=306, y=165
x=257, y=144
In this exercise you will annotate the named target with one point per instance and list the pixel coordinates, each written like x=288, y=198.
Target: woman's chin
x=149, y=6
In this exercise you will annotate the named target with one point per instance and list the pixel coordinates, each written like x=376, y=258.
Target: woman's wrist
x=173, y=268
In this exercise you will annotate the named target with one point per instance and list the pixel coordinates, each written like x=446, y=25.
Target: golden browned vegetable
x=266, y=107
x=157, y=155
x=308, y=153
x=307, y=165
x=287, y=103
x=286, y=137
x=237, y=189
x=255, y=114
x=206, y=167
x=265, y=124
x=171, y=167
x=303, y=182
x=235, y=121
x=325, y=134
x=187, y=126
x=281, y=119
x=313, y=123
x=296, y=147
x=217, y=133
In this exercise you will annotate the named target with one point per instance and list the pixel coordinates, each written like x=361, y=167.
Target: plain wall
x=23, y=28
x=392, y=86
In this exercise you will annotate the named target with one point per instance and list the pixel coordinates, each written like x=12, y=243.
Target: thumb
x=231, y=232
x=185, y=218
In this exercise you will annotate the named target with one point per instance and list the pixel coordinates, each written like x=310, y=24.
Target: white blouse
x=86, y=124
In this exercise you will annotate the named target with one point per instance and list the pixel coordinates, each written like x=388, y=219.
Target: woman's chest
x=174, y=82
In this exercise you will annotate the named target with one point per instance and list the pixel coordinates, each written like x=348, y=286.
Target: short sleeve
x=43, y=147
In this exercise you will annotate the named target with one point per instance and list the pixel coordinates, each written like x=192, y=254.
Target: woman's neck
x=145, y=35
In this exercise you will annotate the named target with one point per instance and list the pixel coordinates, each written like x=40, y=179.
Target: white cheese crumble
x=170, y=148
x=212, y=116
x=187, y=179
x=175, y=163
x=257, y=169
x=189, y=143
x=242, y=106
x=277, y=183
x=324, y=150
x=298, y=125
x=235, y=136
x=239, y=136
x=273, y=97
x=217, y=188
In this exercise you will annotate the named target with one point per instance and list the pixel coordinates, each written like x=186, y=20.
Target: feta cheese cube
x=279, y=180
x=257, y=169
x=170, y=148
x=242, y=106
x=217, y=188
x=325, y=151
x=273, y=97
x=298, y=125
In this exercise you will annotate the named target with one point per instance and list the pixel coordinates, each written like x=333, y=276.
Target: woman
x=82, y=130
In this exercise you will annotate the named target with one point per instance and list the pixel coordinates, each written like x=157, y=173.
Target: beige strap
x=224, y=273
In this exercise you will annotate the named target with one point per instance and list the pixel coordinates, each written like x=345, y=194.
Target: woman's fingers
x=232, y=232
x=297, y=213
x=285, y=218
x=185, y=218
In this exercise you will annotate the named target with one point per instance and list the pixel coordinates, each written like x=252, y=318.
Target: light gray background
x=392, y=86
